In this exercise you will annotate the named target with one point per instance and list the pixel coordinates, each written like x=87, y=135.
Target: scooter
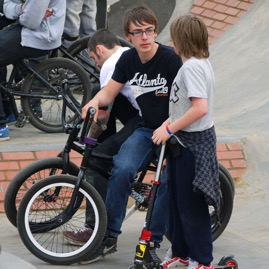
x=145, y=256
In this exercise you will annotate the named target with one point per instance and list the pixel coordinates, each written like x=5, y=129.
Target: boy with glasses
x=150, y=69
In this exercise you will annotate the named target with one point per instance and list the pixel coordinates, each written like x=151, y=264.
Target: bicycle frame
x=11, y=93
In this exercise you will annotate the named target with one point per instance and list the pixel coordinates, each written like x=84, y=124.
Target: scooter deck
x=226, y=262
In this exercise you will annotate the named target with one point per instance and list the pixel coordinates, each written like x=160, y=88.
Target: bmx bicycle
x=57, y=204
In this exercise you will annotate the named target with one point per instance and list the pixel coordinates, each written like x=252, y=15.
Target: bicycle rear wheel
x=226, y=207
x=29, y=176
x=65, y=85
x=42, y=219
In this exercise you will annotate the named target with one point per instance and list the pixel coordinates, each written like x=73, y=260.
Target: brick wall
x=219, y=15
x=230, y=155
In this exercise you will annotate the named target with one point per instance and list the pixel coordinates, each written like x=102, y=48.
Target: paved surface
x=240, y=62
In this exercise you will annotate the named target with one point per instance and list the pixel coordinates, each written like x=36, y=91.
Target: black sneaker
x=108, y=246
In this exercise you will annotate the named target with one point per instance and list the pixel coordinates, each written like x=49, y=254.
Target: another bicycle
x=53, y=205
x=51, y=94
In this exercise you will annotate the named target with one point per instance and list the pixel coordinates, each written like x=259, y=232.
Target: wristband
x=168, y=131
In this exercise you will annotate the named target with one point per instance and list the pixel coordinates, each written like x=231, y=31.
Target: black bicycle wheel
x=42, y=230
x=226, y=172
x=27, y=177
x=226, y=207
x=66, y=82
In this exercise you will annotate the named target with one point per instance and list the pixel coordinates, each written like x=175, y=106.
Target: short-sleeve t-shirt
x=150, y=82
x=107, y=71
x=194, y=79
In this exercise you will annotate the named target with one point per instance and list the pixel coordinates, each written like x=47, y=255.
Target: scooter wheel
x=229, y=262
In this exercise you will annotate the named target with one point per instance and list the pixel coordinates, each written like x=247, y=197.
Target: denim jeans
x=160, y=216
x=134, y=155
x=80, y=18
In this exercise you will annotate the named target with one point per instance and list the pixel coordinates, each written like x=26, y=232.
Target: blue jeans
x=134, y=155
x=80, y=18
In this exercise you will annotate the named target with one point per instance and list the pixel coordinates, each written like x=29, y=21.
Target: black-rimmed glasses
x=139, y=33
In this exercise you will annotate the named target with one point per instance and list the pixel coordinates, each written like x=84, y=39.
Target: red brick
x=227, y=27
x=219, y=17
x=230, y=155
x=226, y=164
x=234, y=146
x=26, y=163
x=220, y=1
x=2, y=207
x=233, y=3
x=199, y=2
x=216, y=33
x=208, y=13
x=2, y=176
x=237, y=173
x=220, y=8
x=238, y=163
x=231, y=20
x=232, y=11
x=11, y=174
x=207, y=21
x=46, y=154
x=18, y=156
x=197, y=10
x=221, y=147
x=74, y=154
x=209, y=5
x=5, y=166
x=244, y=6
x=218, y=25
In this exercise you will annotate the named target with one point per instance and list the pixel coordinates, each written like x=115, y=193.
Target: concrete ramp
x=240, y=61
x=118, y=9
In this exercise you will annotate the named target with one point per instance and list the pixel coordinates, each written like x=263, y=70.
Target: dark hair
x=189, y=35
x=103, y=37
x=139, y=15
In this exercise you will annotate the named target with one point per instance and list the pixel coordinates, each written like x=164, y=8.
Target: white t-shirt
x=106, y=74
x=194, y=79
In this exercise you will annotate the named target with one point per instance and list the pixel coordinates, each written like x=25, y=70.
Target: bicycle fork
x=145, y=255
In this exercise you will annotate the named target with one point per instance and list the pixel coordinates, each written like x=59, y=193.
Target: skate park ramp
x=240, y=61
x=117, y=10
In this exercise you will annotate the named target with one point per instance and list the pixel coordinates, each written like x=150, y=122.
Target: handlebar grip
x=87, y=122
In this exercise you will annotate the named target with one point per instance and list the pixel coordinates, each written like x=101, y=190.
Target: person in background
x=37, y=30
x=80, y=20
x=193, y=173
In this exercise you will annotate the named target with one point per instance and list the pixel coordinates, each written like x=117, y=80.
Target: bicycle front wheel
x=55, y=94
x=29, y=176
x=44, y=216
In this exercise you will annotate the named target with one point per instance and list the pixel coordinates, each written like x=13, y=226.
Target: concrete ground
x=240, y=62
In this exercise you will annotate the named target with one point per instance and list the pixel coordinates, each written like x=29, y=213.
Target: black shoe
x=108, y=246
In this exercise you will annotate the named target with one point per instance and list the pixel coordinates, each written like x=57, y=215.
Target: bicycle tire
x=27, y=177
x=226, y=172
x=55, y=71
x=81, y=44
x=226, y=207
x=45, y=237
